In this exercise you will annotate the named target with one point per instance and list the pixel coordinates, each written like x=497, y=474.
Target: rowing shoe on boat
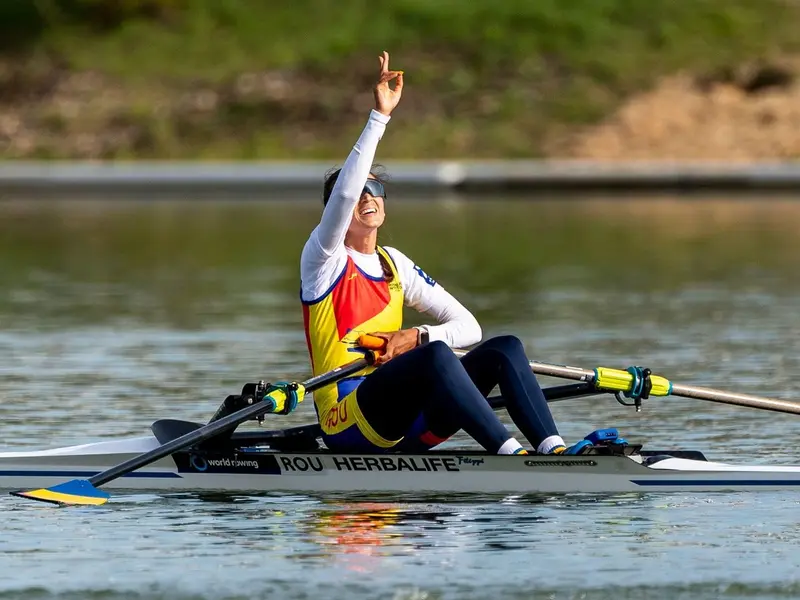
x=185, y=456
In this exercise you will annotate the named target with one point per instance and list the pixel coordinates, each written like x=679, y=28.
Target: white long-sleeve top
x=325, y=255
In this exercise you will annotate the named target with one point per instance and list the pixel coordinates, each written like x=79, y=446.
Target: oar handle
x=372, y=342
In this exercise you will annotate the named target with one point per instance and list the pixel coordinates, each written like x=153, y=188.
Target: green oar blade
x=76, y=492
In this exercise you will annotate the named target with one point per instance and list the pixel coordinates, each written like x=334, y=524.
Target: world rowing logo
x=236, y=462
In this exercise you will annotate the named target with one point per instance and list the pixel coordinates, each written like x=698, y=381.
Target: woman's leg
x=430, y=381
x=502, y=361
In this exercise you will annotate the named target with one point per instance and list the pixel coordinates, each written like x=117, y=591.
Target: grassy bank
x=277, y=79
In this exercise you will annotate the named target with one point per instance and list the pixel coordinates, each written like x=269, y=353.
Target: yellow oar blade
x=78, y=492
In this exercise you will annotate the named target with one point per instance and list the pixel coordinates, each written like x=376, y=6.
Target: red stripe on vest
x=357, y=299
x=306, y=317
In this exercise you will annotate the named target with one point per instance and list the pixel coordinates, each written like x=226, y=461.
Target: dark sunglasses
x=375, y=188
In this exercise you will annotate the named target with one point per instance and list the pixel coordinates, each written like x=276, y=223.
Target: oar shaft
x=684, y=391
x=194, y=437
x=217, y=427
x=701, y=393
x=551, y=394
x=560, y=371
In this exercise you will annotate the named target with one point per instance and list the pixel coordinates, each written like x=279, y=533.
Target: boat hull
x=243, y=470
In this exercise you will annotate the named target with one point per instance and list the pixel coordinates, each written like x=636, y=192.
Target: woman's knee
x=436, y=358
x=509, y=344
x=437, y=355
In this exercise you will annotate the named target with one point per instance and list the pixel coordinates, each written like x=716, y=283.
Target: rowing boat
x=185, y=456
x=265, y=462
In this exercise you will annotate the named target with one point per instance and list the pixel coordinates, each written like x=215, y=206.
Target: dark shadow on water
x=563, y=501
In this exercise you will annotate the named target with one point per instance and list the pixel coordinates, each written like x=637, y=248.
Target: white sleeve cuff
x=435, y=334
x=374, y=115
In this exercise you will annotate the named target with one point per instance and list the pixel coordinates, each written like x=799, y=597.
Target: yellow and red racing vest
x=354, y=305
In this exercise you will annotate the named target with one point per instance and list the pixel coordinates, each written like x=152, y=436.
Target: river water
x=115, y=314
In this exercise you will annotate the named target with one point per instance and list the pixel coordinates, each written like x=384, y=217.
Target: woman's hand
x=397, y=342
x=386, y=99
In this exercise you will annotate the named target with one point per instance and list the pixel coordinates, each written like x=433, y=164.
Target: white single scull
x=246, y=465
x=184, y=456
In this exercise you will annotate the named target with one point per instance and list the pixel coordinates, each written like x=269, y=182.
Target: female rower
x=422, y=393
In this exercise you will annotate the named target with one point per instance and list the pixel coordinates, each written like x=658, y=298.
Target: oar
x=555, y=393
x=615, y=380
x=606, y=379
x=84, y=491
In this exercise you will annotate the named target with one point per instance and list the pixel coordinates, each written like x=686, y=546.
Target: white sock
x=509, y=446
x=549, y=443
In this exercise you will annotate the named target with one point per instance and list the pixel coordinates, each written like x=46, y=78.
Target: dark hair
x=378, y=171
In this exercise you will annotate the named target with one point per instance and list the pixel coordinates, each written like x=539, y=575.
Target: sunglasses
x=374, y=188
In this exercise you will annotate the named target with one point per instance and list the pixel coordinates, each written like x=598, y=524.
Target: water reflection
x=114, y=315
x=190, y=265
x=130, y=312
x=349, y=533
x=196, y=545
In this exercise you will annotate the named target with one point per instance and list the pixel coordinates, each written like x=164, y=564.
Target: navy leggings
x=429, y=394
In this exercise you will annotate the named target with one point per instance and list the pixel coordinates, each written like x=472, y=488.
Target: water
x=115, y=314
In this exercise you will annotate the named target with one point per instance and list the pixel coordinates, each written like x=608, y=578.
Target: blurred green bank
x=245, y=79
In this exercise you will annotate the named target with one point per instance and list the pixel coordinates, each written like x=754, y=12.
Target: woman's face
x=369, y=213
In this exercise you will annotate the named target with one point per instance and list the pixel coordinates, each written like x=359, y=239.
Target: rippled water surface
x=113, y=315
